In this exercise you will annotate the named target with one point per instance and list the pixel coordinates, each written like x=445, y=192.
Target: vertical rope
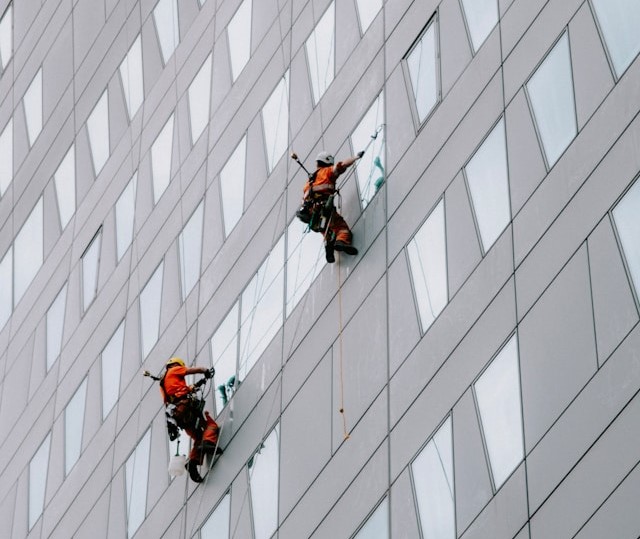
x=345, y=432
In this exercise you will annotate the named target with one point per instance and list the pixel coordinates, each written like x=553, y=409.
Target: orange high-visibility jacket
x=173, y=385
x=325, y=180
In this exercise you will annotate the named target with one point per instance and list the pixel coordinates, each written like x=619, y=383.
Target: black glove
x=209, y=373
x=360, y=154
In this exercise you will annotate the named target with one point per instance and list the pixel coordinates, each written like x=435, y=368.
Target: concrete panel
x=506, y=513
x=8, y=506
x=240, y=508
x=305, y=437
x=97, y=521
x=455, y=51
x=472, y=481
x=557, y=348
x=300, y=95
x=117, y=525
x=399, y=131
x=614, y=308
x=347, y=33
x=593, y=479
x=88, y=20
x=463, y=246
x=526, y=163
x=57, y=68
x=592, y=78
x=404, y=519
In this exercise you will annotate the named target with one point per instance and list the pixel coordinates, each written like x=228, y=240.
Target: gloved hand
x=360, y=154
x=209, y=373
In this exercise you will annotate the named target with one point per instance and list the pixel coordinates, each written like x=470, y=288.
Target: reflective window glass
x=224, y=354
x=55, y=326
x=137, y=477
x=488, y=179
x=6, y=287
x=498, y=396
x=161, y=153
x=626, y=216
x=305, y=261
x=481, y=17
x=321, y=52
x=432, y=472
x=125, y=216
x=550, y=91
x=264, y=473
x=422, y=63
x=28, y=250
x=619, y=21
x=217, y=525
x=275, y=119
x=98, y=128
x=65, y=182
x=131, y=74
x=150, y=303
x=165, y=15
x=261, y=309
x=90, y=267
x=33, y=107
x=6, y=36
x=239, y=36
x=38, y=469
x=232, y=178
x=428, y=263
x=377, y=526
x=73, y=427
x=370, y=169
x=367, y=11
x=190, y=249
x=199, y=100
x=6, y=157
x=111, y=366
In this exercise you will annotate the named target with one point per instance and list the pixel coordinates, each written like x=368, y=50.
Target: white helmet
x=325, y=158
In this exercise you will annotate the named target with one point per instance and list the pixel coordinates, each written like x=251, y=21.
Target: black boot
x=345, y=248
x=194, y=474
x=211, y=448
x=329, y=252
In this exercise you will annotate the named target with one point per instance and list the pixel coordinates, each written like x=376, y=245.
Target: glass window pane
x=6, y=36
x=377, y=527
x=305, y=261
x=28, y=251
x=422, y=65
x=38, y=469
x=6, y=287
x=161, y=153
x=6, y=157
x=232, y=178
x=125, y=216
x=370, y=169
x=550, y=91
x=261, y=309
x=98, y=128
x=200, y=99
x=165, y=15
x=33, y=107
x=619, y=21
x=137, y=476
x=217, y=525
x=428, y=263
x=367, y=10
x=190, y=249
x=65, y=182
x=239, y=35
x=275, y=119
x=131, y=74
x=90, y=266
x=55, y=326
x=73, y=427
x=264, y=476
x=481, y=16
x=498, y=395
x=224, y=354
x=488, y=179
x=150, y=303
x=321, y=52
x=627, y=219
x=434, y=487
x=111, y=365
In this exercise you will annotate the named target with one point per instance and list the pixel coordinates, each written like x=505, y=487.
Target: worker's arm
x=341, y=166
x=197, y=370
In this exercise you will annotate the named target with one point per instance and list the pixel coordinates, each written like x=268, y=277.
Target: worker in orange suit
x=185, y=409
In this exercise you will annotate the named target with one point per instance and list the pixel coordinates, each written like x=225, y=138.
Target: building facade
x=473, y=372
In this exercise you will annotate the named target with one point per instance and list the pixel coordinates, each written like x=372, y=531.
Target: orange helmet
x=174, y=361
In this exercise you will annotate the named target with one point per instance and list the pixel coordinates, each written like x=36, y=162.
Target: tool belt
x=183, y=413
x=316, y=211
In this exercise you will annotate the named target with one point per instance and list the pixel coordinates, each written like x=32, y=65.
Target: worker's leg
x=210, y=436
x=338, y=226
